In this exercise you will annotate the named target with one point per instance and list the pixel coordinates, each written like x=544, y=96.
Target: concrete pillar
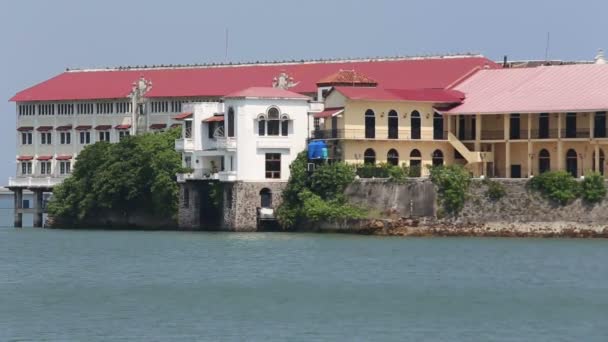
x=560, y=144
x=507, y=127
x=591, y=125
x=530, y=149
x=478, y=132
x=18, y=197
x=596, y=157
x=38, y=210
x=449, y=123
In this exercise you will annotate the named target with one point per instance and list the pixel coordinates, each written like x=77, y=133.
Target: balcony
x=197, y=174
x=184, y=144
x=225, y=143
x=378, y=134
x=226, y=176
x=316, y=107
x=34, y=182
x=575, y=133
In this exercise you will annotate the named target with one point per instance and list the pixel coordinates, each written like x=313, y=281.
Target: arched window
x=437, y=158
x=544, y=161
x=230, y=122
x=437, y=126
x=392, y=157
x=599, y=169
x=369, y=156
x=261, y=125
x=572, y=162
x=284, y=125
x=543, y=126
x=415, y=124
x=273, y=121
x=370, y=124
x=393, y=125
x=265, y=198
x=415, y=163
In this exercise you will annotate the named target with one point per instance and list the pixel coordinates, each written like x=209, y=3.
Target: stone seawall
x=411, y=209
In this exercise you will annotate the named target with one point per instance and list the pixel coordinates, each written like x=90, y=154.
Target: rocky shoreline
x=429, y=228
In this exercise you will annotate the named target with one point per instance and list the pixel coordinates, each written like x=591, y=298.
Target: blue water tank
x=317, y=150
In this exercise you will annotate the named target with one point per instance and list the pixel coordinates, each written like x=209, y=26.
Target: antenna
x=226, y=51
x=547, y=47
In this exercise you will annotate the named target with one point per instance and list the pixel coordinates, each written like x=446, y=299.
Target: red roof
x=44, y=157
x=25, y=128
x=44, y=128
x=158, y=126
x=215, y=118
x=103, y=127
x=329, y=112
x=64, y=128
x=176, y=125
x=83, y=127
x=24, y=158
x=348, y=78
x=65, y=157
x=436, y=72
x=544, y=89
x=183, y=116
x=415, y=95
x=267, y=93
x=125, y=126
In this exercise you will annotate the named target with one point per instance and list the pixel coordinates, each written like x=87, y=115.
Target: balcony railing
x=570, y=133
x=544, y=134
x=225, y=143
x=376, y=134
x=34, y=182
x=184, y=144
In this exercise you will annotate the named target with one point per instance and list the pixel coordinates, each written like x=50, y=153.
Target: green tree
x=593, y=189
x=135, y=175
x=452, y=182
x=558, y=186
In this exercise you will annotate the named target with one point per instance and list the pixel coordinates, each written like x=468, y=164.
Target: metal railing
x=571, y=133
x=375, y=134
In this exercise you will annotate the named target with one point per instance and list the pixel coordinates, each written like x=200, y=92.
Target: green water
x=173, y=286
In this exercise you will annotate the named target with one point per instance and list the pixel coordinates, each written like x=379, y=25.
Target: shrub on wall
x=384, y=170
x=593, y=189
x=558, y=186
x=495, y=189
x=317, y=196
x=452, y=183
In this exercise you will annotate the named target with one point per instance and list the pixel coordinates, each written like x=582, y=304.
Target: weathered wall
x=415, y=198
x=188, y=213
x=524, y=206
x=241, y=200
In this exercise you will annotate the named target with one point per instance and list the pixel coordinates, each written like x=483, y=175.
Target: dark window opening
x=415, y=123
x=369, y=156
x=273, y=165
x=392, y=157
x=370, y=124
x=393, y=125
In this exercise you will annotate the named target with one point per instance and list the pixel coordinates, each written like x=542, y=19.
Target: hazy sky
x=41, y=38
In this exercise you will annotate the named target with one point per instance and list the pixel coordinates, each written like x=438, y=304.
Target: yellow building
x=498, y=122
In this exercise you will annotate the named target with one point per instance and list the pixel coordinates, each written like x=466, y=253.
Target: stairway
x=470, y=156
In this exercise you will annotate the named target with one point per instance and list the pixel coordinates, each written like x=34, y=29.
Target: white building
x=246, y=142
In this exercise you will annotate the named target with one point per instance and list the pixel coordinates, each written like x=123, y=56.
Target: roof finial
x=600, y=59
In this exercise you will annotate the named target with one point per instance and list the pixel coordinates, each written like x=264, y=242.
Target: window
x=514, y=122
x=273, y=165
x=261, y=125
x=187, y=129
x=25, y=204
x=65, y=108
x=571, y=125
x=27, y=109
x=273, y=122
x=544, y=161
x=26, y=138
x=65, y=167
x=65, y=138
x=105, y=108
x=188, y=161
x=104, y=136
x=46, y=109
x=45, y=138
x=230, y=122
x=437, y=126
x=370, y=124
x=392, y=157
x=265, y=198
x=176, y=106
x=599, y=127
x=572, y=162
x=415, y=124
x=123, y=107
x=284, y=125
x=437, y=158
x=85, y=137
x=26, y=168
x=415, y=163
x=84, y=108
x=369, y=156
x=123, y=133
x=393, y=125
x=45, y=167
x=159, y=107
x=543, y=125
x=317, y=124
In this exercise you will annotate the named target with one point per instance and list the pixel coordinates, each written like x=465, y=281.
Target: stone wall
x=241, y=201
x=188, y=213
x=414, y=198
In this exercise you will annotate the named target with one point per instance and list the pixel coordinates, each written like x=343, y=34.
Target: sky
x=40, y=39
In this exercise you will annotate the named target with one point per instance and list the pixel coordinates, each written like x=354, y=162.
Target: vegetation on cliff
x=311, y=197
x=133, y=176
x=561, y=187
x=452, y=183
